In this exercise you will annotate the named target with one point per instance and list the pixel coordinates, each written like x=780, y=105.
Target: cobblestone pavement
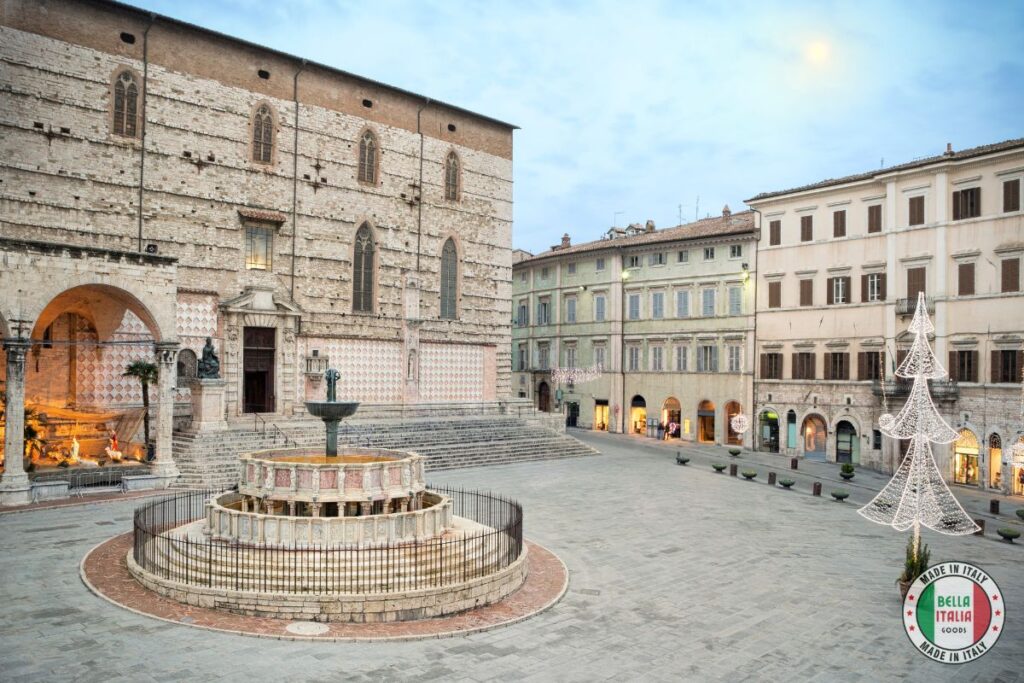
x=677, y=573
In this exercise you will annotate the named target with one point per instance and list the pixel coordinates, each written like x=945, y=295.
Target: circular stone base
x=105, y=572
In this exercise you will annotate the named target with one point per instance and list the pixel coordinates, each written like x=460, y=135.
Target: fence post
x=816, y=490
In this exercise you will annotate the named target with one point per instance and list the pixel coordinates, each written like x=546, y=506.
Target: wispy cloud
x=641, y=107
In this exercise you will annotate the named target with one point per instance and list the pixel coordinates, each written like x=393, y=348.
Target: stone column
x=14, y=485
x=163, y=464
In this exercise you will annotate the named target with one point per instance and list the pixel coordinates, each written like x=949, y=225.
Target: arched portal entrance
x=1017, y=472
x=544, y=397
x=732, y=409
x=995, y=461
x=637, y=415
x=814, y=436
x=671, y=417
x=965, y=458
x=768, y=431
x=847, y=443
x=706, y=422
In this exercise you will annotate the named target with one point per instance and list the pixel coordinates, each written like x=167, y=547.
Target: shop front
x=965, y=458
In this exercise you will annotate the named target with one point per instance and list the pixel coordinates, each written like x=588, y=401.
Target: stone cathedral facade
x=306, y=217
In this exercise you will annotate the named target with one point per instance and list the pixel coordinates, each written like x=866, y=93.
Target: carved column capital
x=167, y=352
x=16, y=348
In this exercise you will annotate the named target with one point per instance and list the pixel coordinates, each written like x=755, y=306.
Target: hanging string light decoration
x=575, y=375
x=740, y=423
x=917, y=495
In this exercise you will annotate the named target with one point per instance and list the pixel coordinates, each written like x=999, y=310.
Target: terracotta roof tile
x=716, y=226
x=955, y=156
x=263, y=215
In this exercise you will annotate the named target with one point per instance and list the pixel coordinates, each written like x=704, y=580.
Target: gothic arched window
x=368, y=158
x=452, y=177
x=449, y=279
x=263, y=135
x=126, y=105
x=362, y=271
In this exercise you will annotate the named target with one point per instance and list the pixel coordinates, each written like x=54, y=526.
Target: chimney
x=949, y=149
x=650, y=226
x=726, y=212
x=566, y=241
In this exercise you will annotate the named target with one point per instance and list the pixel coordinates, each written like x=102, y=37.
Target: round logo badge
x=954, y=613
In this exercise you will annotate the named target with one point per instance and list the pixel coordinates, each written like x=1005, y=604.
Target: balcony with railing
x=907, y=306
x=941, y=390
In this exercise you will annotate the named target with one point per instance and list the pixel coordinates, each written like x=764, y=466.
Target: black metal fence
x=392, y=568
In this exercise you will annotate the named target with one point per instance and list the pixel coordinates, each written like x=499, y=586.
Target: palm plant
x=33, y=430
x=147, y=373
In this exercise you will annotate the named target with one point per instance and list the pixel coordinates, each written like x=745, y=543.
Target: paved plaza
x=677, y=573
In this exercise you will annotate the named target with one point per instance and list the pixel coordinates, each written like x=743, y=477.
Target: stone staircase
x=210, y=460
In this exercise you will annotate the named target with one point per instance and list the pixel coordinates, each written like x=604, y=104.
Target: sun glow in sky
x=661, y=109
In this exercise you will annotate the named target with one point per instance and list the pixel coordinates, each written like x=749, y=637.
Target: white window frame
x=570, y=310
x=682, y=297
x=599, y=355
x=839, y=293
x=735, y=300
x=735, y=358
x=630, y=300
x=683, y=256
x=657, y=305
x=600, y=311
x=709, y=253
x=735, y=251
x=599, y=264
x=657, y=358
x=571, y=267
x=682, y=358
x=633, y=357
x=874, y=287
x=704, y=302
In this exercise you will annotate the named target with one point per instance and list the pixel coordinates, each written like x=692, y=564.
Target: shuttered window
x=916, y=211
x=870, y=365
x=449, y=279
x=839, y=224
x=967, y=203
x=362, y=271
x=774, y=294
x=1011, y=275
x=963, y=366
x=807, y=292
x=1006, y=366
x=875, y=218
x=965, y=279
x=774, y=233
x=771, y=366
x=806, y=228
x=872, y=287
x=803, y=365
x=837, y=365
x=915, y=282
x=1011, y=195
x=368, y=158
x=837, y=290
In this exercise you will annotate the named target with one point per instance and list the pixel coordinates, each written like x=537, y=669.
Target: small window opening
x=368, y=104
x=127, y=37
x=451, y=127
x=263, y=73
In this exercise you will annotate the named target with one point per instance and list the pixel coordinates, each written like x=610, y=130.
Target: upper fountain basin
x=332, y=410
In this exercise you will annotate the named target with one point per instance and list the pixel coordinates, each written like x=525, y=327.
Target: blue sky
x=629, y=110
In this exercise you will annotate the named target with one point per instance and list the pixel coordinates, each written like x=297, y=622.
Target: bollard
x=993, y=506
x=732, y=469
x=981, y=525
x=816, y=491
x=793, y=463
x=771, y=479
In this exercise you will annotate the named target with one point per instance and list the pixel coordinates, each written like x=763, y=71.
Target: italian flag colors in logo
x=954, y=613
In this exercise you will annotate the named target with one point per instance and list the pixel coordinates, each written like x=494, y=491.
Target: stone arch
x=188, y=367
x=814, y=435
x=104, y=306
x=732, y=409
x=363, y=302
x=847, y=440
x=706, y=421
x=965, y=451
x=455, y=287
x=768, y=425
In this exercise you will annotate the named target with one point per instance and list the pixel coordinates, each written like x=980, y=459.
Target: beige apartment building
x=667, y=315
x=840, y=265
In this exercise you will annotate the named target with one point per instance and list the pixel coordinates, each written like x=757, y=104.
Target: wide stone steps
x=212, y=460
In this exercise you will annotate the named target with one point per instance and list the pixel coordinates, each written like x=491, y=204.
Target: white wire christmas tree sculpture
x=917, y=495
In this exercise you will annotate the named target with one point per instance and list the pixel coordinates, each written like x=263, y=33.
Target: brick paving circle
x=105, y=572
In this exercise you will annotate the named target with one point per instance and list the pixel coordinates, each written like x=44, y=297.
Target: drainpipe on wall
x=419, y=215
x=295, y=174
x=142, y=130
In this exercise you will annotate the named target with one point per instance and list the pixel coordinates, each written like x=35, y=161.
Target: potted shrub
x=846, y=471
x=840, y=495
x=913, y=566
x=749, y=474
x=1008, y=534
x=734, y=451
x=786, y=483
x=681, y=459
x=719, y=467
x=1020, y=513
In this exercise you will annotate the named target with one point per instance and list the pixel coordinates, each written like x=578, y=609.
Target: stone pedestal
x=208, y=405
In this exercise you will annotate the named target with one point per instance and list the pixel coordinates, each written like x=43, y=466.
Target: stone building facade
x=314, y=217
x=840, y=264
x=668, y=315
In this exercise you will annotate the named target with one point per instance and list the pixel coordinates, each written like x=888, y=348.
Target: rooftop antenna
x=680, y=214
x=615, y=218
x=696, y=209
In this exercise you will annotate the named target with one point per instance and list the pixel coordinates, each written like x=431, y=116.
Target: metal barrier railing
x=365, y=570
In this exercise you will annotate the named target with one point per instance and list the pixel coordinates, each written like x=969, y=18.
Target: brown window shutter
x=915, y=282
x=863, y=287
x=839, y=224
x=806, y=228
x=828, y=366
x=1020, y=362
x=875, y=218
x=861, y=363
x=848, y=288
x=974, y=368
x=795, y=370
x=916, y=211
x=958, y=198
x=764, y=365
x=775, y=233
x=1011, y=195
x=830, y=291
x=881, y=286
x=994, y=367
x=807, y=292
x=774, y=294
x=965, y=279
x=1011, y=275
x=812, y=363
x=954, y=370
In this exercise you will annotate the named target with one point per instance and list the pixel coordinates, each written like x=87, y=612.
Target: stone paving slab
x=676, y=573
